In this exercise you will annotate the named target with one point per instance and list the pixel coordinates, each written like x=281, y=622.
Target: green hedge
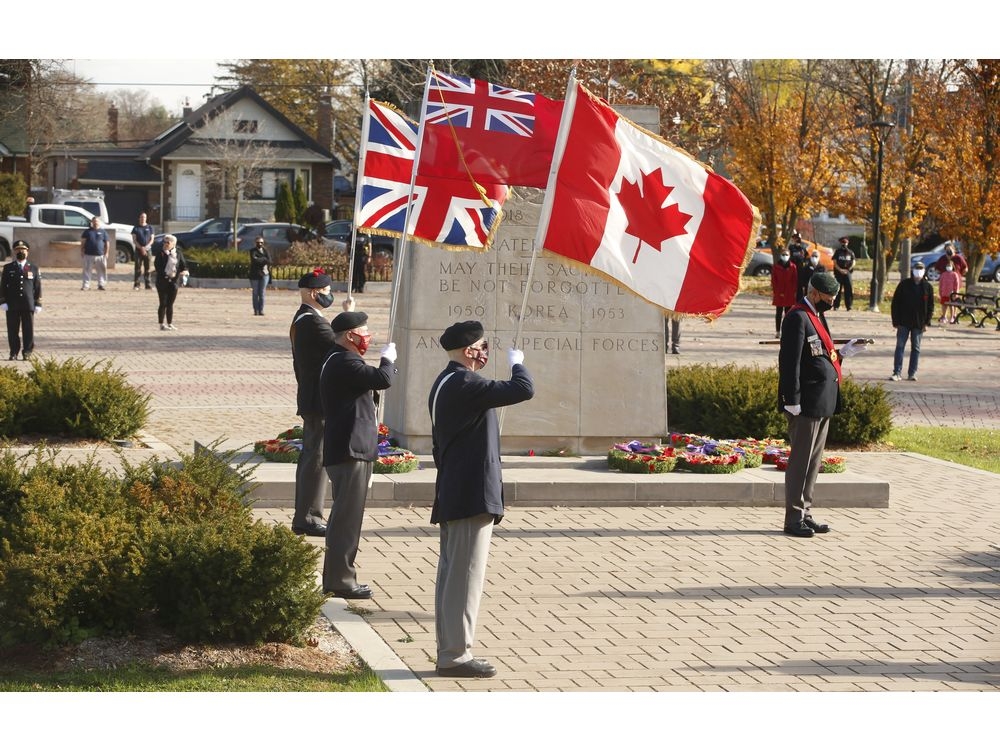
x=741, y=402
x=84, y=550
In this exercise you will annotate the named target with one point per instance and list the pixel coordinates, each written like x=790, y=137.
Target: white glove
x=515, y=357
x=389, y=352
x=852, y=347
x=3, y=307
x=348, y=304
x=38, y=308
x=793, y=409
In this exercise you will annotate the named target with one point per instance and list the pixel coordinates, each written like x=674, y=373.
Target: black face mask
x=324, y=300
x=21, y=255
x=822, y=305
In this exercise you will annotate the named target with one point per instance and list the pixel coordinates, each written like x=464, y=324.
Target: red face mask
x=482, y=353
x=361, y=341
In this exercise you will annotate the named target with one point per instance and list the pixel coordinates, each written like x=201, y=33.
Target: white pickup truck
x=63, y=215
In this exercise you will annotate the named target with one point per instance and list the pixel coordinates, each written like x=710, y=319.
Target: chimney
x=113, y=124
x=186, y=112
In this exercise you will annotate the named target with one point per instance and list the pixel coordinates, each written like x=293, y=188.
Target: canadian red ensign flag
x=643, y=213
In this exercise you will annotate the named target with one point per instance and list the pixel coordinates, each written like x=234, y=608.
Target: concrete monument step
x=538, y=481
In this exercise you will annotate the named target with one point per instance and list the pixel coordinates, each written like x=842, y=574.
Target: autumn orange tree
x=963, y=179
x=778, y=123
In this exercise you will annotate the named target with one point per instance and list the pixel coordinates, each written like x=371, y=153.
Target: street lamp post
x=881, y=128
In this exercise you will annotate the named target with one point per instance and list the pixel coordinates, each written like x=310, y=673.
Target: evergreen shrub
x=736, y=402
x=81, y=400
x=17, y=390
x=226, y=580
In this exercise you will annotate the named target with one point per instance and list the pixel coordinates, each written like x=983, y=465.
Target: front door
x=187, y=207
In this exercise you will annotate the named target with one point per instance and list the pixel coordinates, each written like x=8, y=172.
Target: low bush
x=226, y=580
x=216, y=263
x=17, y=390
x=70, y=562
x=83, y=550
x=738, y=402
x=80, y=400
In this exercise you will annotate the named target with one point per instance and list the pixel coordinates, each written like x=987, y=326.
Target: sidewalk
x=903, y=598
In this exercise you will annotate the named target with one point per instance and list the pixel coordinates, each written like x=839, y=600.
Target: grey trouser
x=461, y=572
x=92, y=263
x=343, y=530
x=310, y=479
x=807, y=438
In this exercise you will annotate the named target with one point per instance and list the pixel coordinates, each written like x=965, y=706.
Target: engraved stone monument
x=594, y=350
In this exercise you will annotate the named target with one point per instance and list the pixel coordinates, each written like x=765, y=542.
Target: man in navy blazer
x=350, y=444
x=809, y=394
x=468, y=493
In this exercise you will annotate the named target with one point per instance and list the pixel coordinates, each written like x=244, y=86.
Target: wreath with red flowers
x=287, y=447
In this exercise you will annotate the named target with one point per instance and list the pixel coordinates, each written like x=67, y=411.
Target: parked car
x=930, y=257
x=762, y=260
x=279, y=236
x=209, y=233
x=991, y=269
x=342, y=228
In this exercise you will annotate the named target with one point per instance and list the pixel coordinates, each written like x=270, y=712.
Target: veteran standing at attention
x=20, y=299
x=808, y=395
x=468, y=494
x=350, y=444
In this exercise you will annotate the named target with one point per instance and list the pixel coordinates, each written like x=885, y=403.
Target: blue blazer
x=466, y=440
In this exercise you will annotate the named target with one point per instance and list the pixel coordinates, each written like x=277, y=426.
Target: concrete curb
x=371, y=648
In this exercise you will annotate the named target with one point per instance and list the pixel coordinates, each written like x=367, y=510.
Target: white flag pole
x=546, y=214
x=362, y=155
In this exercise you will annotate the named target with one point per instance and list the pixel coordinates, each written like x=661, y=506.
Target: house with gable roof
x=185, y=174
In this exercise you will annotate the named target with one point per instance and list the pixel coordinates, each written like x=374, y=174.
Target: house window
x=262, y=184
x=245, y=126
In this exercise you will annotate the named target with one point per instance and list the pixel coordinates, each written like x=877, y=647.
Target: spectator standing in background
x=784, y=288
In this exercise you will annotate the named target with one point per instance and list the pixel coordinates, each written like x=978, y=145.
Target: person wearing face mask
x=348, y=390
x=798, y=251
x=312, y=339
x=949, y=282
x=808, y=395
x=260, y=274
x=956, y=259
x=912, y=312
x=805, y=273
x=843, y=268
x=20, y=299
x=784, y=288
x=468, y=492
x=170, y=270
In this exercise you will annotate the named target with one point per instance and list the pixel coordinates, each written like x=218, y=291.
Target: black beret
x=348, y=321
x=315, y=279
x=21, y=243
x=461, y=335
x=824, y=282
x=845, y=239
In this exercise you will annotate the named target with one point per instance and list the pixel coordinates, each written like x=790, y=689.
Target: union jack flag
x=491, y=132
x=446, y=212
x=468, y=103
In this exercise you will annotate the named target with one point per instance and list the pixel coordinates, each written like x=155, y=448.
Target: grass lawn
x=142, y=678
x=971, y=447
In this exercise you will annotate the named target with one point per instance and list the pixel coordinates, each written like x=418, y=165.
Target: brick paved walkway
x=631, y=599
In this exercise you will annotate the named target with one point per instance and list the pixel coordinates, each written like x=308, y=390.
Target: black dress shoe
x=315, y=529
x=799, y=529
x=817, y=528
x=471, y=668
x=13, y=356
x=358, y=592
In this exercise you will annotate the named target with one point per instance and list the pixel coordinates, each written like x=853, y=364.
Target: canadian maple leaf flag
x=446, y=212
x=492, y=132
x=650, y=217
